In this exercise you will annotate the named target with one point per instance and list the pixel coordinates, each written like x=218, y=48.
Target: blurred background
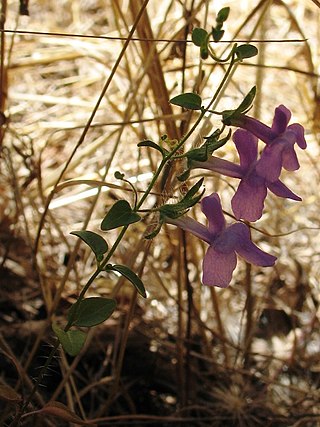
x=187, y=355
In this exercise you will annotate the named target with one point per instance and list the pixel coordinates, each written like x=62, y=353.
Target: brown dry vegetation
x=188, y=355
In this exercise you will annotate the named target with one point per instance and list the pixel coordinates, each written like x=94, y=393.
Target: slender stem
x=190, y=132
x=99, y=269
x=104, y=263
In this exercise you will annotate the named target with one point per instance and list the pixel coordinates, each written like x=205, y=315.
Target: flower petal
x=270, y=163
x=221, y=166
x=279, y=189
x=193, y=226
x=211, y=207
x=218, y=268
x=282, y=116
x=298, y=130
x=259, y=129
x=289, y=159
x=247, y=146
x=248, y=201
x=247, y=249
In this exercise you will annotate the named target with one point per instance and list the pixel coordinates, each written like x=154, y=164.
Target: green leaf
x=151, y=144
x=246, y=51
x=72, y=341
x=212, y=143
x=204, y=52
x=217, y=31
x=131, y=276
x=155, y=231
x=199, y=36
x=223, y=14
x=184, y=175
x=172, y=211
x=193, y=190
x=91, y=311
x=198, y=154
x=97, y=243
x=119, y=175
x=245, y=105
x=190, y=101
x=217, y=34
x=248, y=99
x=119, y=215
x=180, y=208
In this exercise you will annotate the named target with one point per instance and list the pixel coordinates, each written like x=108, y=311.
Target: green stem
x=187, y=136
x=104, y=263
x=220, y=60
x=99, y=269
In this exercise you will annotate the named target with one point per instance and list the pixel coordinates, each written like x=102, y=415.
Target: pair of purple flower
x=257, y=176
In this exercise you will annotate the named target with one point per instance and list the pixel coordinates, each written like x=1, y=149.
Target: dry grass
x=188, y=355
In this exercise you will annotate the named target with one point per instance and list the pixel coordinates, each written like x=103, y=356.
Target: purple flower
x=280, y=139
x=248, y=201
x=225, y=242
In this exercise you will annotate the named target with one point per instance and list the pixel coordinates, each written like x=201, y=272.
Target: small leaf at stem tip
x=72, y=341
x=190, y=101
x=199, y=36
x=131, y=276
x=91, y=311
x=246, y=51
x=97, y=243
x=223, y=14
x=119, y=215
x=118, y=175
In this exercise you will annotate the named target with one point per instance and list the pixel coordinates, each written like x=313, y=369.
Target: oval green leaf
x=223, y=14
x=119, y=215
x=119, y=175
x=72, y=341
x=131, y=276
x=246, y=51
x=190, y=101
x=199, y=36
x=97, y=243
x=91, y=311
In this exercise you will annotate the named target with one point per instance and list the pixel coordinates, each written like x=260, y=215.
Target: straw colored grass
x=79, y=92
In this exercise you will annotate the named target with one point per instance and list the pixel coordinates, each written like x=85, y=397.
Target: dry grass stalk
x=188, y=355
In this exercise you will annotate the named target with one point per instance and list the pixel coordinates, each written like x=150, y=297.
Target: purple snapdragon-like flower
x=279, y=139
x=248, y=201
x=225, y=242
